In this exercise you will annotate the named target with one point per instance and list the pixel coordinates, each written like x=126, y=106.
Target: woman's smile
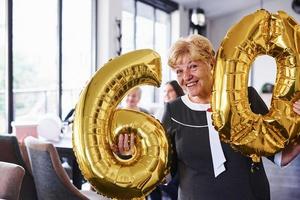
x=191, y=84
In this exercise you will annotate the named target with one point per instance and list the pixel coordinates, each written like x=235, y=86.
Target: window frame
x=9, y=94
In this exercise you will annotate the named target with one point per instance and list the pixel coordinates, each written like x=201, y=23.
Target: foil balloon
x=260, y=33
x=98, y=123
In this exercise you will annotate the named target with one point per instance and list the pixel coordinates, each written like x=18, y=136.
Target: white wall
x=179, y=28
x=219, y=26
x=264, y=69
x=184, y=22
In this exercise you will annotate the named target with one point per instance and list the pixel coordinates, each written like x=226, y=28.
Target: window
x=144, y=26
x=127, y=27
x=77, y=50
x=2, y=64
x=52, y=56
x=152, y=28
x=162, y=44
x=35, y=58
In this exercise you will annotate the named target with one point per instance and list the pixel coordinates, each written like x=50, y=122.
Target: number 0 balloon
x=260, y=33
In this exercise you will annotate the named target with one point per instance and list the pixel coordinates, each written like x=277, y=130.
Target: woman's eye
x=193, y=66
x=178, y=72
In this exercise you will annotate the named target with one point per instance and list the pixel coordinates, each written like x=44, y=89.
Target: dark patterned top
x=188, y=130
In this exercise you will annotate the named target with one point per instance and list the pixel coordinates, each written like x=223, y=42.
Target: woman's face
x=194, y=77
x=169, y=93
x=133, y=98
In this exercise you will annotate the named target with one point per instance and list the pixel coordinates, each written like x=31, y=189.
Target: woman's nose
x=187, y=75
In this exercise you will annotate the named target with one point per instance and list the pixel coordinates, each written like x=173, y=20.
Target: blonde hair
x=197, y=47
x=138, y=90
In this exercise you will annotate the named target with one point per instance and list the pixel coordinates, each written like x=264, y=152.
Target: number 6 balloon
x=97, y=124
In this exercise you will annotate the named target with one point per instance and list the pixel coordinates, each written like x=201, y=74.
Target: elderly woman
x=209, y=169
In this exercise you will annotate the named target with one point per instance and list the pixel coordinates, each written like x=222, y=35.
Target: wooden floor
x=284, y=182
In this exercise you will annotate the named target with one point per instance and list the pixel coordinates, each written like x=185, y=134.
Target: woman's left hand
x=293, y=149
x=296, y=107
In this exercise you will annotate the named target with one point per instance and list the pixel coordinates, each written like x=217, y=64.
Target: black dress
x=188, y=129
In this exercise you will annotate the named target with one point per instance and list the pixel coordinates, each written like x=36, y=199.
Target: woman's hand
x=125, y=144
x=296, y=107
x=293, y=149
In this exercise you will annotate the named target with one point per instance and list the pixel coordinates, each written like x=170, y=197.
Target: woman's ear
x=213, y=63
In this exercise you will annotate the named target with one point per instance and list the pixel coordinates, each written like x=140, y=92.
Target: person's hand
x=296, y=107
x=293, y=149
x=125, y=144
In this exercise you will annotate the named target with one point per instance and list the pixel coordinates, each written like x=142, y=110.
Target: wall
x=180, y=23
x=219, y=26
x=179, y=28
x=264, y=69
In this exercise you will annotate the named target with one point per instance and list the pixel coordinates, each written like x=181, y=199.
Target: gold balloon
x=260, y=33
x=97, y=125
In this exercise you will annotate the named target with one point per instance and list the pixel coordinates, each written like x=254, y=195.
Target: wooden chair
x=50, y=177
x=10, y=180
x=10, y=152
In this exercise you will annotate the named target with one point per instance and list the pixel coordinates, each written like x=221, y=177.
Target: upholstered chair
x=10, y=180
x=52, y=181
x=10, y=152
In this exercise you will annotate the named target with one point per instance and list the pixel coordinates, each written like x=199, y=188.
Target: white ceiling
x=217, y=8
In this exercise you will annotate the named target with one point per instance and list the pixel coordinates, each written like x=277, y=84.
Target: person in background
x=172, y=90
x=133, y=98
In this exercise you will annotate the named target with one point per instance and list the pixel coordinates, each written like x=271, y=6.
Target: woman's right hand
x=125, y=144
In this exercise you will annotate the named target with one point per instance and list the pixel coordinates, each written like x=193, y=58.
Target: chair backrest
x=50, y=177
x=10, y=152
x=10, y=180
